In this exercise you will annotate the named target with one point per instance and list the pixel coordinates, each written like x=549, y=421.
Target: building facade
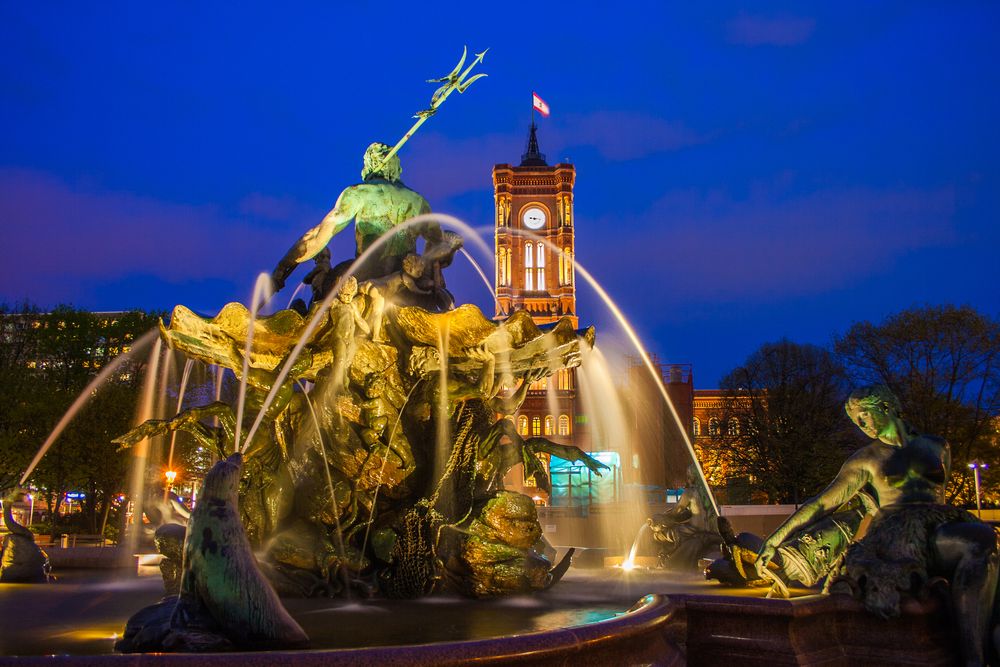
x=534, y=244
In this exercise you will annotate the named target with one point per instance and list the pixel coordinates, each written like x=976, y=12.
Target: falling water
x=219, y=374
x=629, y=562
x=105, y=373
x=381, y=472
x=443, y=422
x=334, y=508
x=180, y=402
x=634, y=338
x=479, y=270
x=600, y=384
x=320, y=312
x=261, y=294
x=291, y=299
x=140, y=452
x=552, y=400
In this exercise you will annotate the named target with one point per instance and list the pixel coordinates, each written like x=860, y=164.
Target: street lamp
x=976, y=466
x=31, y=512
x=171, y=475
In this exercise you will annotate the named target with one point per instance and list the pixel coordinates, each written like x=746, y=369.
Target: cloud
x=750, y=30
x=712, y=247
x=59, y=239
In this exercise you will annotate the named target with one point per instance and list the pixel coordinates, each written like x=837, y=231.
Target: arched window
x=734, y=426
x=696, y=427
x=541, y=266
x=713, y=426
x=549, y=425
x=562, y=269
x=522, y=425
x=536, y=426
x=529, y=267
x=507, y=264
x=563, y=424
x=569, y=266
x=501, y=267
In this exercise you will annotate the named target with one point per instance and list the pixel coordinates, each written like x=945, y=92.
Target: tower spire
x=532, y=156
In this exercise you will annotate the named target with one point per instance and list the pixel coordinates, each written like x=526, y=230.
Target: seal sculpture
x=225, y=602
x=21, y=561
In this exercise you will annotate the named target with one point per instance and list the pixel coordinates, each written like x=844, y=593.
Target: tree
x=782, y=427
x=943, y=362
x=46, y=361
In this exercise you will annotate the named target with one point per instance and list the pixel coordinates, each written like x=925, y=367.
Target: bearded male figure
x=377, y=204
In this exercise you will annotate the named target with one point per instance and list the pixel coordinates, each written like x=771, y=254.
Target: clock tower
x=534, y=258
x=534, y=237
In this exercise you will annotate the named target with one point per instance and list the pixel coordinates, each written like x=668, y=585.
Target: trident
x=453, y=81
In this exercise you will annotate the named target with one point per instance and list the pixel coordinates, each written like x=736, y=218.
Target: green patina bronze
x=914, y=538
x=343, y=484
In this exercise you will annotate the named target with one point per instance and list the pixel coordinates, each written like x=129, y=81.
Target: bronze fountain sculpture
x=341, y=487
x=915, y=539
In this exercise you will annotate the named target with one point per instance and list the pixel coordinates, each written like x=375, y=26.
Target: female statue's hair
x=373, y=166
x=875, y=396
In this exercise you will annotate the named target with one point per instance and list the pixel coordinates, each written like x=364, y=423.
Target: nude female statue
x=914, y=535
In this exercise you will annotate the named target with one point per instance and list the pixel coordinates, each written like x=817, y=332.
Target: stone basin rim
x=620, y=634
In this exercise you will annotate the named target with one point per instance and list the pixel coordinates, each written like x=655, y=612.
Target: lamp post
x=976, y=466
x=171, y=475
x=31, y=512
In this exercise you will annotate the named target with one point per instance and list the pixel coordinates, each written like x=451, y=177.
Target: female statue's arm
x=853, y=475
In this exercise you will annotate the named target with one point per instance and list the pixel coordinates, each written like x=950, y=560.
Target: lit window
x=562, y=268
x=536, y=426
x=549, y=425
x=529, y=267
x=565, y=379
x=734, y=426
x=522, y=425
x=563, y=424
x=713, y=426
x=696, y=427
x=541, y=266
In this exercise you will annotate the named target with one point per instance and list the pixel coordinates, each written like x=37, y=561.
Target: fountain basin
x=583, y=620
x=584, y=615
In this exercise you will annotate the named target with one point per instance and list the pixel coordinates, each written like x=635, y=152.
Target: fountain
x=364, y=456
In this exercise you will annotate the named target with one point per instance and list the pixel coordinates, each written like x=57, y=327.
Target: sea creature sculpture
x=688, y=530
x=21, y=560
x=225, y=602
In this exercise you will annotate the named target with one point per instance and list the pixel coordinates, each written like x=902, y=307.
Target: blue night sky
x=745, y=173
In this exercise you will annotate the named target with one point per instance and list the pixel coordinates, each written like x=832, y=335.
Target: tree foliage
x=783, y=430
x=46, y=361
x=943, y=362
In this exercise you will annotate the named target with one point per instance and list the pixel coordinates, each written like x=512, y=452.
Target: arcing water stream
x=600, y=399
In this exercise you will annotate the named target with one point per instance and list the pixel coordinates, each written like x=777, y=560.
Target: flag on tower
x=539, y=104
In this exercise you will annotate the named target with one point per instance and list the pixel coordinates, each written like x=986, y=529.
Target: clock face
x=533, y=218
